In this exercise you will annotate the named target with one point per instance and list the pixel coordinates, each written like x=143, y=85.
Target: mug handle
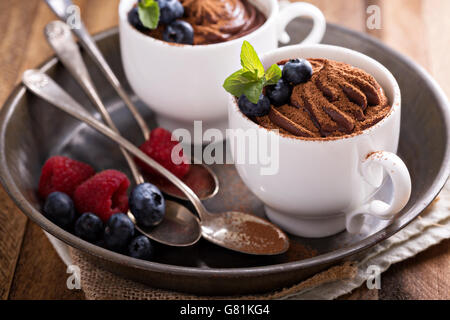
x=299, y=9
x=401, y=182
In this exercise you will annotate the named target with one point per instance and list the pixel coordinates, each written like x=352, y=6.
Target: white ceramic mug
x=184, y=83
x=324, y=186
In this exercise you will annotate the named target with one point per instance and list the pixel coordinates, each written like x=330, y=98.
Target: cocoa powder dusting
x=338, y=100
x=263, y=237
x=253, y=236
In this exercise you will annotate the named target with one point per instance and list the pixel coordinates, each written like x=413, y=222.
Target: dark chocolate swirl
x=217, y=21
x=338, y=100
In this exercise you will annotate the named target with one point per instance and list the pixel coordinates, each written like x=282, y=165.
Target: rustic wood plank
x=14, y=42
x=403, y=28
x=13, y=46
x=361, y=293
x=12, y=229
x=348, y=13
x=20, y=50
x=47, y=281
x=40, y=274
x=425, y=276
x=38, y=49
x=101, y=15
x=437, y=28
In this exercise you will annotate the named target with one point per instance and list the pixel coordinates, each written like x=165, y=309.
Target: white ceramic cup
x=325, y=186
x=184, y=83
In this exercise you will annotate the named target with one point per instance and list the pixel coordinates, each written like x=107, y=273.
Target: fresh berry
x=104, y=194
x=140, y=248
x=179, y=31
x=254, y=110
x=118, y=232
x=170, y=10
x=297, y=71
x=159, y=147
x=280, y=93
x=59, y=209
x=147, y=205
x=101, y=243
x=64, y=175
x=89, y=227
x=135, y=21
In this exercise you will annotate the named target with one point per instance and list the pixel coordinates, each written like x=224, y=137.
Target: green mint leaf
x=148, y=11
x=253, y=91
x=252, y=78
x=242, y=82
x=249, y=75
x=250, y=60
x=239, y=82
x=235, y=84
x=273, y=74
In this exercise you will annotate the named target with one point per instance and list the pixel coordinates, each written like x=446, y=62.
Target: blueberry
x=101, y=243
x=147, y=205
x=254, y=110
x=280, y=93
x=170, y=10
x=89, y=227
x=118, y=232
x=59, y=209
x=297, y=71
x=135, y=21
x=179, y=31
x=140, y=248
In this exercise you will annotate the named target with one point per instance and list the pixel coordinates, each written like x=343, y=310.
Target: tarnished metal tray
x=31, y=131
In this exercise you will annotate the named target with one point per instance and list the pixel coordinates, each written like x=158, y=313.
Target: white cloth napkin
x=418, y=236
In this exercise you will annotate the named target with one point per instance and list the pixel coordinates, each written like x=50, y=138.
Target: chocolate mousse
x=221, y=20
x=215, y=21
x=337, y=100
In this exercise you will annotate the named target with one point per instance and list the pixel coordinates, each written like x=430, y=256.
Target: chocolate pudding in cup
x=336, y=142
x=183, y=83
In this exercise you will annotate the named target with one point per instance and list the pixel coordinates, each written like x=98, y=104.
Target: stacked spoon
x=232, y=230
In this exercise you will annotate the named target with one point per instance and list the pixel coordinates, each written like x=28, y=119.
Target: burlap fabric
x=430, y=228
x=99, y=284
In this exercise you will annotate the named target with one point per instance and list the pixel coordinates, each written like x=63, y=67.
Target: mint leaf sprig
x=252, y=78
x=149, y=13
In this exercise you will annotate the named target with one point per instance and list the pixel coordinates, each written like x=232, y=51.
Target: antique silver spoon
x=177, y=217
x=236, y=231
x=62, y=9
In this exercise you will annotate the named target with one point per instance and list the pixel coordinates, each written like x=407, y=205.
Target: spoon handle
x=60, y=39
x=43, y=86
x=62, y=9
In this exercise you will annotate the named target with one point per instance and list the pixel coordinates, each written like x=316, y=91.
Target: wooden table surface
x=30, y=268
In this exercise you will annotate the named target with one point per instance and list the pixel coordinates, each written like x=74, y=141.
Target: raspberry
x=159, y=147
x=64, y=175
x=104, y=194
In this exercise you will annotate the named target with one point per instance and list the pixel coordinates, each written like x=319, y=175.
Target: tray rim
x=324, y=259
